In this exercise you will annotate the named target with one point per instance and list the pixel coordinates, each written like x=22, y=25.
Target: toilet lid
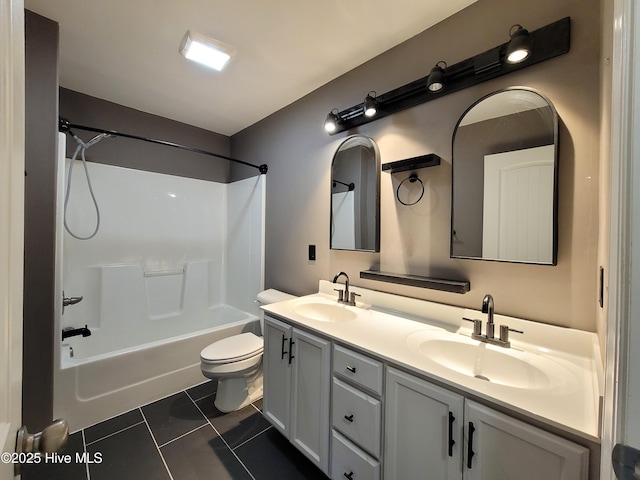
x=234, y=348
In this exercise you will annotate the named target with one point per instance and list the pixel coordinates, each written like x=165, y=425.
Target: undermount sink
x=325, y=312
x=507, y=367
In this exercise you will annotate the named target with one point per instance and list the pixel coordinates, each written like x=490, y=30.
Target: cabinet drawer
x=348, y=461
x=357, y=416
x=358, y=368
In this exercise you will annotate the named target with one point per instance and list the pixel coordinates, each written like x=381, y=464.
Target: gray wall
x=416, y=239
x=85, y=110
x=41, y=117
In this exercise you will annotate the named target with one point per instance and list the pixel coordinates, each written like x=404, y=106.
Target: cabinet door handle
x=470, y=452
x=349, y=475
x=452, y=442
x=349, y=418
x=283, y=351
x=351, y=369
x=291, y=355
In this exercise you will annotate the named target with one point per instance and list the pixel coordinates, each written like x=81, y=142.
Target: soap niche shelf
x=453, y=286
x=414, y=163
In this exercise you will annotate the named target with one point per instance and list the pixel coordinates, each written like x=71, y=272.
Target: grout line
x=84, y=449
x=221, y=437
x=248, y=440
x=114, y=433
x=183, y=435
x=156, y=444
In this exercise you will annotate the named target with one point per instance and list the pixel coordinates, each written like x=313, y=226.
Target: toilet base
x=235, y=393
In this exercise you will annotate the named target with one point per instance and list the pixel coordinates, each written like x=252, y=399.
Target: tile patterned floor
x=181, y=437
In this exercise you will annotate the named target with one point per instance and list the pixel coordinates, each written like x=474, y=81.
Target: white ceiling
x=126, y=51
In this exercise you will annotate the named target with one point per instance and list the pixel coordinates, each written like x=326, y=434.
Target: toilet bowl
x=236, y=362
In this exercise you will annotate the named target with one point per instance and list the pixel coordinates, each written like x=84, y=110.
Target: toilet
x=236, y=362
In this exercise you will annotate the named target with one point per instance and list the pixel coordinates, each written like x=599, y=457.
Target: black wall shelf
x=414, y=163
x=453, y=286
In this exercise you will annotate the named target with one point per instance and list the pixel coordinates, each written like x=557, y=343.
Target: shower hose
x=82, y=147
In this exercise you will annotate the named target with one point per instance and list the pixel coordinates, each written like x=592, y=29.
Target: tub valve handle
x=66, y=301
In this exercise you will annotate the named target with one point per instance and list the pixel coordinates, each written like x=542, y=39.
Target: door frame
x=620, y=410
x=12, y=126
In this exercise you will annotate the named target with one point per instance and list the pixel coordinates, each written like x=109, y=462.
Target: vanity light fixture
x=332, y=121
x=519, y=46
x=370, y=107
x=204, y=50
x=437, y=77
x=550, y=41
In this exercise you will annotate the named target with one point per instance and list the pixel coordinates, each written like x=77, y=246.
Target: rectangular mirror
x=355, y=196
x=504, y=192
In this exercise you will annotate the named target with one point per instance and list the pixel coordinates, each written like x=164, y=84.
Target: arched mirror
x=505, y=179
x=355, y=195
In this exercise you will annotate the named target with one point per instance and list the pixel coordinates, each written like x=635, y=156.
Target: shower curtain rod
x=65, y=126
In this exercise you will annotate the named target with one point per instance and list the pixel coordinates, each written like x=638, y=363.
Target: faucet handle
x=504, y=333
x=477, y=325
x=352, y=299
x=340, y=295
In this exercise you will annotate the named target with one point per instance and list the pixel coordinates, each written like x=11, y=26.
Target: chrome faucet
x=489, y=336
x=343, y=296
x=487, y=307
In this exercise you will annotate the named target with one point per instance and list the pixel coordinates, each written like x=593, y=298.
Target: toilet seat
x=232, y=349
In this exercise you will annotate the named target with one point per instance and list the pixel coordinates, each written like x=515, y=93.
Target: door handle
x=49, y=440
x=291, y=355
x=626, y=462
x=452, y=442
x=282, y=350
x=470, y=452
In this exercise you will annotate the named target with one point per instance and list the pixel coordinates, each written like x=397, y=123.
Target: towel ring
x=412, y=179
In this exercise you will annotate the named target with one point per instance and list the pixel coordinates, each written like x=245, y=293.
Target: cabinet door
x=423, y=438
x=277, y=374
x=500, y=447
x=310, y=384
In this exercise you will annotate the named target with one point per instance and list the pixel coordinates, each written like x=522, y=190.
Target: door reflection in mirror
x=504, y=192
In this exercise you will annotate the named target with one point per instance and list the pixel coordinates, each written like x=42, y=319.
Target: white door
x=517, y=217
x=11, y=223
x=423, y=437
x=310, y=397
x=277, y=374
x=498, y=447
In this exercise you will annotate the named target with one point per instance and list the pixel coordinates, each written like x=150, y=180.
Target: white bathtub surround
x=176, y=265
x=565, y=396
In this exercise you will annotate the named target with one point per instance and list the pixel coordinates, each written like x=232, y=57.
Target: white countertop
x=388, y=326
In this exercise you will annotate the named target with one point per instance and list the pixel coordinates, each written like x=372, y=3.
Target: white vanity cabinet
x=436, y=434
x=297, y=388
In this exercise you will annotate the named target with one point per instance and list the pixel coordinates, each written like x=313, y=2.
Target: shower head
x=97, y=138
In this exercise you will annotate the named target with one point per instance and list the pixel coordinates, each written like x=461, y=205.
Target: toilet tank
x=271, y=296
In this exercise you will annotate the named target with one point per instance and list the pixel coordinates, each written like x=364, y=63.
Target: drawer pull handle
x=351, y=369
x=349, y=418
x=349, y=475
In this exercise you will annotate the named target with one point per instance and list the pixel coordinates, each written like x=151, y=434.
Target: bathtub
x=90, y=389
x=175, y=266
